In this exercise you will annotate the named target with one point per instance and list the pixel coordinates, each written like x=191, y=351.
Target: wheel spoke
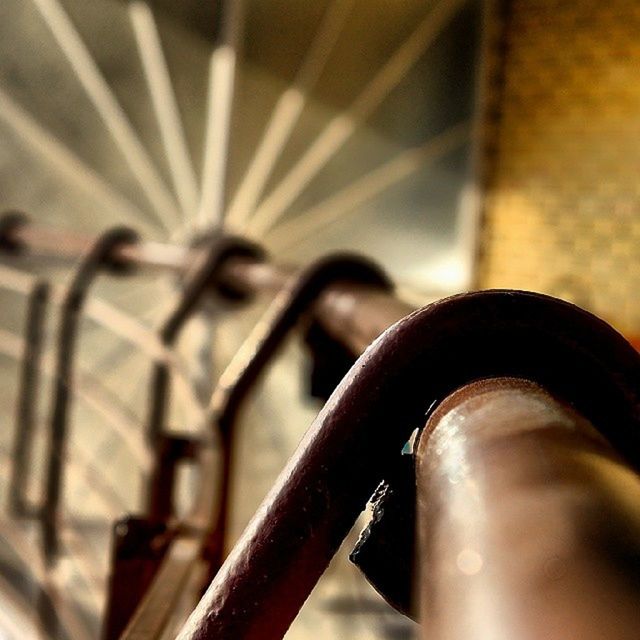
x=342, y=126
x=165, y=105
x=222, y=72
x=107, y=107
x=68, y=163
x=286, y=114
x=347, y=200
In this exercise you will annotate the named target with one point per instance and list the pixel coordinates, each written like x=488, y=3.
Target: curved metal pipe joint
x=528, y=521
x=100, y=257
x=351, y=445
x=204, y=277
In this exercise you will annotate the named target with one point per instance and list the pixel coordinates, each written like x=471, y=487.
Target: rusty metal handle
x=27, y=398
x=255, y=354
x=294, y=301
x=205, y=277
x=349, y=448
x=98, y=258
x=528, y=521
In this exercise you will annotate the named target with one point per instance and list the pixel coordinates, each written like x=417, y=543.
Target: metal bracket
x=171, y=449
x=139, y=545
x=98, y=258
x=385, y=552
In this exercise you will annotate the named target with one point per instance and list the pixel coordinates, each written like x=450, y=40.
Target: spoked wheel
x=307, y=127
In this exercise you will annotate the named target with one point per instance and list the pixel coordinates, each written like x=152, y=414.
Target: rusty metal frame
x=418, y=362
x=206, y=527
x=98, y=258
x=204, y=277
x=255, y=354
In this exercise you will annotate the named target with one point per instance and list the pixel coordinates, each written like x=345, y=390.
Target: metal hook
x=370, y=416
x=99, y=257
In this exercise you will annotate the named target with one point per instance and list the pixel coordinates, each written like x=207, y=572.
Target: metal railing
x=522, y=487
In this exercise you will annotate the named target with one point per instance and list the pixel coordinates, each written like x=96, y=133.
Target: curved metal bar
x=252, y=358
x=347, y=451
x=207, y=525
x=27, y=397
x=37, y=292
x=99, y=257
x=203, y=278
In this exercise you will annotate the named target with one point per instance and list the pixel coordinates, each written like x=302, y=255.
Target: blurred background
x=461, y=144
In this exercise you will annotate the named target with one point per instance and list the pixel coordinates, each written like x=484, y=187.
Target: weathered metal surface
x=348, y=449
x=257, y=351
x=528, y=520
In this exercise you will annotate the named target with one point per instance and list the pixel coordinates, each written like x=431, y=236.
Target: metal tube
x=26, y=407
x=351, y=445
x=528, y=521
x=48, y=242
x=353, y=314
x=98, y=257
x=250, y=361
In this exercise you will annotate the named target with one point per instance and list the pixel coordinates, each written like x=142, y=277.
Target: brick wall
x=562, y=206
